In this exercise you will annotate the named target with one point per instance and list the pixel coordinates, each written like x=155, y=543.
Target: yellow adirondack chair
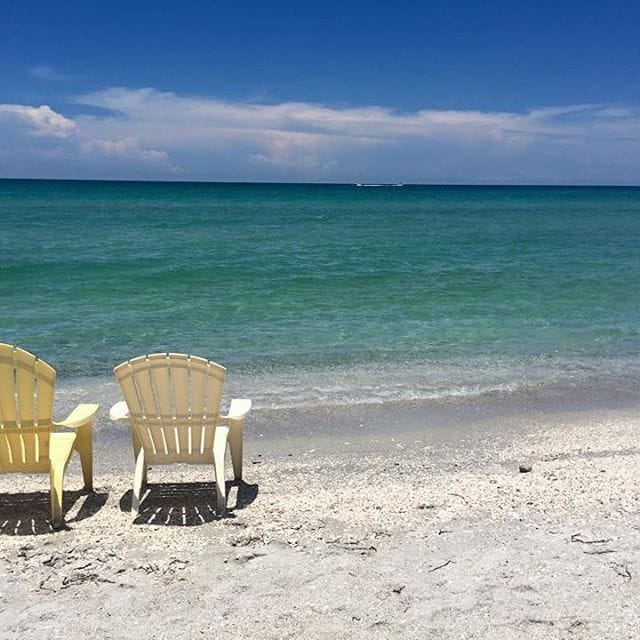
x=172, y=402
x=30, y=441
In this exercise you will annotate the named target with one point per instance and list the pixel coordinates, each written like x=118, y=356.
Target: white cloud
x=44, y=72
x=129, y=148
x=295, y=140
x=198, y=116
x=191, y=120
x=223, y=140
x=42, y=121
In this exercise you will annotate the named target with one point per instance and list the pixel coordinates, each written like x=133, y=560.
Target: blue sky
x=457, y=92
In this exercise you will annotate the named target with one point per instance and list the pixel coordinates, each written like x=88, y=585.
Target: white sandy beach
x=405, y=535
x=403, y=237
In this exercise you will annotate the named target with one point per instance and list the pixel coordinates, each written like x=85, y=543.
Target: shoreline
x=324, y=429
x=605, y=392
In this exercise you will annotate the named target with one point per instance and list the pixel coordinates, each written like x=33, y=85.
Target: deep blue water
x=327, y=293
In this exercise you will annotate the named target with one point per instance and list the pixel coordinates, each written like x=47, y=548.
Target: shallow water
x=327, y=294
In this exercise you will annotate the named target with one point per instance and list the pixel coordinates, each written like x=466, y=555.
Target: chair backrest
x=26, y=410
x=174, y=405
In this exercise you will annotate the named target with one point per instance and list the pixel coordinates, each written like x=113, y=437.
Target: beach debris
x=399, y=588
x=54, y=560
x=622, y=570
x=244, y=559
x=234, y=523
x=165, y=569
x=245, y=539
x=458, y=495
x=353, y=545
x=575, y=625
x=424, y=505
x=525, y=468
x=380, y=623
x=81, y=578
x=43, y=584
x=441, y=566
x=578, y=537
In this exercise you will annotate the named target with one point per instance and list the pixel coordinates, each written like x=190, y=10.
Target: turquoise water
x=327, y=293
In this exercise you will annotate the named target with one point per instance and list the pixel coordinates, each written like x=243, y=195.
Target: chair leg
x=219, y=449
x=138, y=481
x=60, y=448
x=84, y=447
x=56, y=476
x=136, y=451
x=235, y=447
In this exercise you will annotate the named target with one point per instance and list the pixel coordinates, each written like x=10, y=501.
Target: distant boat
x=381, y=184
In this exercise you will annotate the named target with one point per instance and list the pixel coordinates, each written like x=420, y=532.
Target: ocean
x=318, y=295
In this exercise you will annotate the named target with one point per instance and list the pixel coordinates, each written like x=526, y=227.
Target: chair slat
x=207, y=441
x=125, y=375
x=11, y=446
x=9, y=422
x=166, y=435
x=24, y=364
x=43, y=412
x=215, y=384
x=46, y=376
x=197, y=372
x=181, y=401
x=7, y=386
x=160, y=378
x=25, y=395
x=6, y=450
x=140, y=368
x=146, y=438
x=144, y=390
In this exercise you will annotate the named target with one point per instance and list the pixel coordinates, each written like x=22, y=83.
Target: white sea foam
x=291, y=387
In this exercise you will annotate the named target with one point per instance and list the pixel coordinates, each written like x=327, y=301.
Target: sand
x=389, y=529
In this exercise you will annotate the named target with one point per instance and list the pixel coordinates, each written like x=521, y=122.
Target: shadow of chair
x=24, y=514
x=187, y=504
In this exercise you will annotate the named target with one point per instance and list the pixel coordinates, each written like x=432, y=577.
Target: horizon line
x=337, y=184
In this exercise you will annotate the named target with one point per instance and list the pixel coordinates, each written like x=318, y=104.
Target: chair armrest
x=238, y=409
x=119, y=411
x=81, y=415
